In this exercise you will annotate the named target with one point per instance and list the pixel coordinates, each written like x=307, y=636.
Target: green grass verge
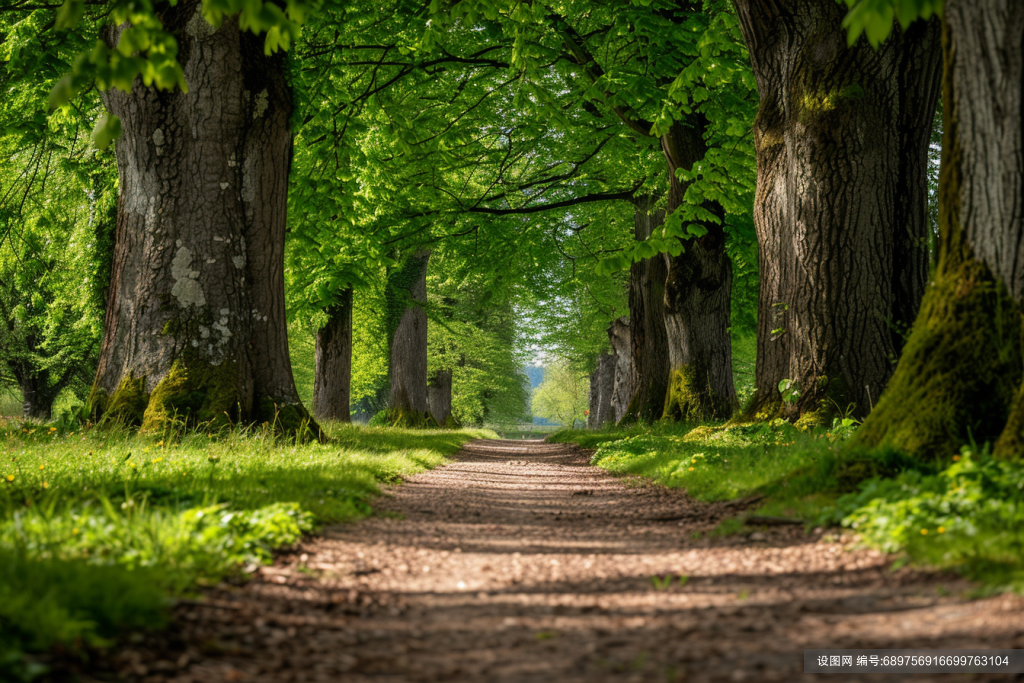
x=968, y=516
x=98, y=529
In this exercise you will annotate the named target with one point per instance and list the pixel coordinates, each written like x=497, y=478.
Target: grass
x=967, y=516
x=716, y=462
x=99, y=528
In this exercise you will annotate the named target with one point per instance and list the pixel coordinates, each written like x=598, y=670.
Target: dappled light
x=472, y=340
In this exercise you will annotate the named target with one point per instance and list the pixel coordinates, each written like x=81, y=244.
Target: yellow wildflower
x=159, y=443
x=53, y=429
x=10, y=477
x=691, y=469
x=956, y=458
x=924, y=532
x=42, y=467
x=45, y=485
x=942, y=529
x=158, y=460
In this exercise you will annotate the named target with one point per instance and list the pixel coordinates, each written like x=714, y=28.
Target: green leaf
x=108, y=129
x=69, y=14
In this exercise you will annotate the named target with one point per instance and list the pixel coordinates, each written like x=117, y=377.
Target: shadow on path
x=520, y=562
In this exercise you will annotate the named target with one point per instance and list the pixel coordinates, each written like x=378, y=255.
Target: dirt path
x=519, y=562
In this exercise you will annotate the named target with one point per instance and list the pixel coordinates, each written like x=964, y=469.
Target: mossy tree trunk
x=622, y=349
x=439, y=398
x=332, y=381
x=698, y=292
x=959, y=376
x=602, y=385
x=195, y=326
x=648, y=340
x=406, y=298
x=841, y=138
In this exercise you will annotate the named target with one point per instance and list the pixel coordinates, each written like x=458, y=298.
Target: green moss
x=813, y=418
x=194, y=392
x=690, y=397
x=959, y=372
x=409, y=419
x=126, y=406
x=816, y=103
x=1010, y=445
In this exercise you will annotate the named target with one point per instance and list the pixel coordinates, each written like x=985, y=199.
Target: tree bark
x=602, y=385
x=648, y=338
x=332, y=379
x=407, y=295
x=840, y=205
x=195, y=328
x=698, y=292
x=959, y=376
x=37, y=404
x=439, y=398
x=622, y=349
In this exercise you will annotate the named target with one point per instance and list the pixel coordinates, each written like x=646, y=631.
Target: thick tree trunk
x=698, y=292
x=602, y=386
x=407, y=294
x=840, y=202
x=195, y=326
x=648, y=339
x=439, y=398
x=622, y=349
x=332, y=379
x=959, y=374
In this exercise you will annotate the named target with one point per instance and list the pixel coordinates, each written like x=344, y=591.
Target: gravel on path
x=521, y=562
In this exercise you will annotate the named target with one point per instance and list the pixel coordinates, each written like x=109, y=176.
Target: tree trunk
x=622, y=349
x=959, y=374
x=406, y=296
x=439, y=398
x=698, y=292
x=37, y=404
x=332, y=379
x=648, y=339
x=602, y=385
x=840, y=202
x=195, y=328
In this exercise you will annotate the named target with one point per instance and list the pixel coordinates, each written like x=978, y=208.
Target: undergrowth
x=968, y=516
x=100, y=529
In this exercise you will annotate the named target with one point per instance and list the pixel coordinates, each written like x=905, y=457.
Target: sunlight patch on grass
x=86, y=507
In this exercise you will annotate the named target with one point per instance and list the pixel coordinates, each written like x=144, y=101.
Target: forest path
x=520, y=562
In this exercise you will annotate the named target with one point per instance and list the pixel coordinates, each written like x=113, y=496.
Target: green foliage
x=145, y=50
x=56, y=201
x=969, y=516
x=80, y=512
x=46, y=602
x=716, y=463
x=563, y=396
x=874, y=18
x=474, y=332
